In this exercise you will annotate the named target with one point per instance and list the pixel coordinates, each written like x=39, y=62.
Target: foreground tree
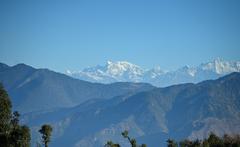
x=185, y=143
x=20, y=136
x=12, y=134
x=5, y=112
x=213, y=141
x=111, y=144
x=46, y=131
x=171, y=143
x=132, y=141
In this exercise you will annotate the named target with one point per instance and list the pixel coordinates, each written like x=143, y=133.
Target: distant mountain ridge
x=179, y=111
x=123, y=71
x=89, y=114
x=34, y=89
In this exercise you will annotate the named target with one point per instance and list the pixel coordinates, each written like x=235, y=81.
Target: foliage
x=111, y=144
x=46, y=131
x=171, y=143
x=212, y=141
x=5, y=111
x=12, y=134
x=20, y=136
x=132, y=141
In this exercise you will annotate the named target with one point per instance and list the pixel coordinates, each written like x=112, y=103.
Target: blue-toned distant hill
x=41, y=89
x=180, y=111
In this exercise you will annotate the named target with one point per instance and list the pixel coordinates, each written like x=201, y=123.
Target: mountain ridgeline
x=121, y=71
x=41, y=89
x=181, y=111
x=90, y=114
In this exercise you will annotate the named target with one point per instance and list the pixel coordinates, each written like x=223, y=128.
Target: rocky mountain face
x=41, y=89
x=179, y=111
x=123, y=71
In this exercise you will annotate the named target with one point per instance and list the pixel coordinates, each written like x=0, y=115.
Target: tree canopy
x=46, y=131
x=212, y=141
x=12, y=134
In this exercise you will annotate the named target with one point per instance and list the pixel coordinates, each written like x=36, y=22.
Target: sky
x=73, y=34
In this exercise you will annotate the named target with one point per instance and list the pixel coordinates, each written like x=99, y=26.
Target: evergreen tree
x=132, y=141
x=228, y=141
x=205, y=143
x=143, y=145
x=15, y=119
x=196, y=143
x=20, y=136
x=214, y=140
x=46, y=131
x=5, y=111
x=185, y=143
x=5, y=117
x=171, y=143
x=236, y=140
x=12, y=134
x=111, y=144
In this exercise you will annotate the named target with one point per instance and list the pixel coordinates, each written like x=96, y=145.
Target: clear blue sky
x=65, y=34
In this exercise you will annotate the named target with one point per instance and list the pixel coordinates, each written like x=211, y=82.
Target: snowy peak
x=111, y=72
x=123, y=71
x=221, y=67
x=154, y=72
x=188, y=70
x=123, y=67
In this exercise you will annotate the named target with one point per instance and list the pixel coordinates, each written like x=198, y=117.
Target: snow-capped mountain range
x=123, y=71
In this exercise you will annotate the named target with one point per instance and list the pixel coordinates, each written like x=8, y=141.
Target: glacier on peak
x=221, y=67
x=120, y=68
x=123, y=71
